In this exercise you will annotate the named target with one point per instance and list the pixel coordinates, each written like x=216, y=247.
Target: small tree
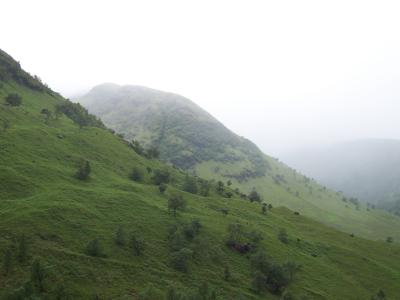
x=5, y=124
x=22, y=253
x=389, y=239
x=227, y=273
x=149, y=170
x=176, y=202
x=38, y=275
x=180, y=259
x=83, y=171
x=161, y=176
x=138, y=245
x=47, y=114
x=136, y=174
x=162, y=188
x=254, y=196
x=283, y=236
x=264, y=209
x=7, y=262
x=14, y=99
x=270, y=206
x=190, y=185
x=94, y=248
x=229, y=183
x=120, y=237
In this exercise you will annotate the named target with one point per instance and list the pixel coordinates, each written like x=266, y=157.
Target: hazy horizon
x=285, y=75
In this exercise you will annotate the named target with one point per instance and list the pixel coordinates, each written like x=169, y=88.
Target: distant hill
x=365, y=169
x=62, y=237
x=192, y=139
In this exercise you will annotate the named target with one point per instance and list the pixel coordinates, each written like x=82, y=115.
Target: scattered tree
x=138, y=245
x=180, y=259
x=162, y=188
x=38, y=275
x=161, y=176
x=83, y=171
x=136, y=174
x=389, y=239
x=176, y=202
x=190, y=185
x=14, y=99
x=227, y=273
x=7, y=262
x=264, y=209
x=94, y=248
x=22, y=253
x=5, y=125
x=254, y=196
x=283, y=236
x=120, y=236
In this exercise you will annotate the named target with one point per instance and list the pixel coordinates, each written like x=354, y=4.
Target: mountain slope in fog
x=365, y=169
x=189, y=137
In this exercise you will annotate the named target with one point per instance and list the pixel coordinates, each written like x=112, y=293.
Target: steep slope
x=189, y=137
x=365, y=169
x=58, y=214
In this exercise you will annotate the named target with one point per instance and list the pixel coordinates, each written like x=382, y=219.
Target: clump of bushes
x=83, y=171
x=13, y=99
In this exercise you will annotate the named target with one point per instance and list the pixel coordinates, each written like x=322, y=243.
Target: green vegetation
x=63, y=232
x=191, y=139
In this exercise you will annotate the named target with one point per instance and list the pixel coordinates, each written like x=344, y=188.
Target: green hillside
x=190, y=138
x=52, y=223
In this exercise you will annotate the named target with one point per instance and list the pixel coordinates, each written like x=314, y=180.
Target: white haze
x=283, y=73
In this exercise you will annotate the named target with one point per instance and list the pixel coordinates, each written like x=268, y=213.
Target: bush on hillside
x=175, y=203
x=78, y=114
x=136, y=174
x=94, y=248
x=83, y=171
x=161, y=176
x=190, y=185
x=13, y=99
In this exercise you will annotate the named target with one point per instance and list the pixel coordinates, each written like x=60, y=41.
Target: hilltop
x=190, y=138
x=64, y=229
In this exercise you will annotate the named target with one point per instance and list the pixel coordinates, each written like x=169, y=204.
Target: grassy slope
x=314, y=201
x=190, y=138
x=59, y=214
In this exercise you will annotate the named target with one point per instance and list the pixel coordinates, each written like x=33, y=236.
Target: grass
x=40, y=198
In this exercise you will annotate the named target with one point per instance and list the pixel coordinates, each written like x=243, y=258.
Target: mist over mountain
x=367, y=169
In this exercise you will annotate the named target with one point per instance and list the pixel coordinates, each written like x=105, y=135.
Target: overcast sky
x=283, y=73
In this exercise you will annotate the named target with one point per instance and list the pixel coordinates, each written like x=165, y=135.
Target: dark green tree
x=180, y=259
x=38, y=275
x=138, y=245
x=254, y=196
x=5, y=125
x=22, y=252
x=83, y=171
x=190, y=184
x=94, y=248
x=283, y=236
x=161, y=176
x=13, y=99
x=389, y=239
x=264, y=208
x=136, y=174
x=120, y=236
x=7, y=262
x=175, y=203
x=162, y=188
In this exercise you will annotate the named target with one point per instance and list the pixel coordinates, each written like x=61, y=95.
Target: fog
x=285, y=74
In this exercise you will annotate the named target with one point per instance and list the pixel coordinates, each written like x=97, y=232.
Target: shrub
x=264, y=209
x=38, y=275
x=254, y=196
x=22, y=253
x=161, y=176
x=162, y=188
x=190, y=185
x=138, y=245
x=176, y=202
x=7, y=262
x=283, y=236
x=14, y=99
x=192, y=229
x=389, y=239
x=83, y=171
x=5, y=124
x=180, y=259
x=94, y=248
x=78, y=114
x=136, y=174
x=120, y=237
